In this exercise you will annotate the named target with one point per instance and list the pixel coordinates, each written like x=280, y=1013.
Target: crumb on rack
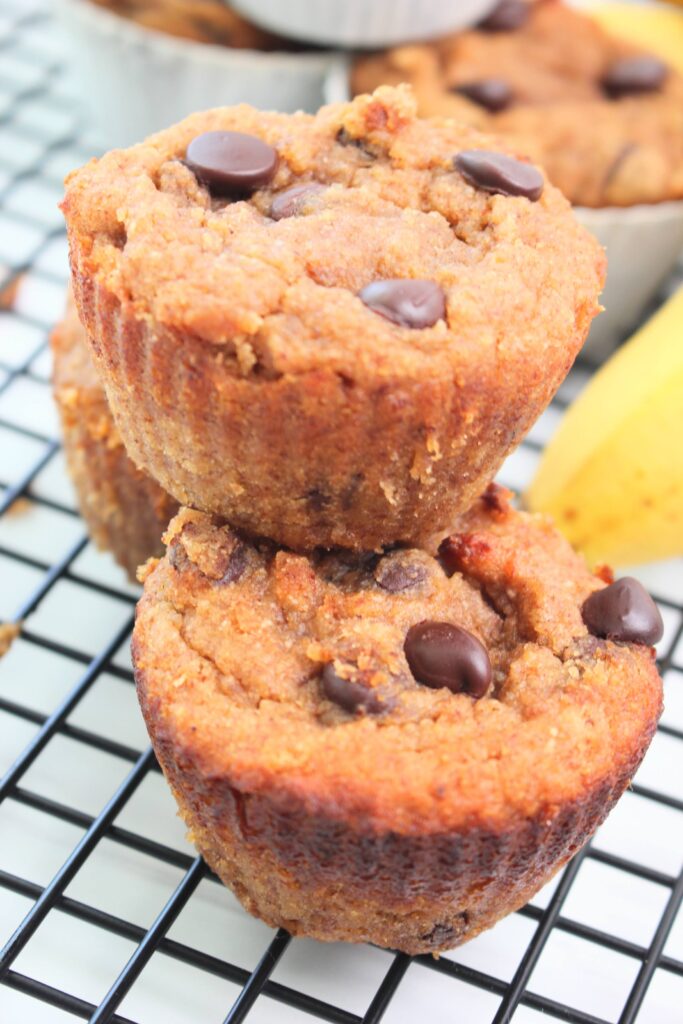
x=9, y=631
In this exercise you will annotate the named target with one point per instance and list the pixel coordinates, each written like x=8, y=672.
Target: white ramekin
x=364, y=23
x=135, y=81
x=643, y=244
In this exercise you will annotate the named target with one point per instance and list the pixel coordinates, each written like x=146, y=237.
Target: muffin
x=395, y=748
x=603, y=117
x=331, y=329
x=204, y=21
x=125, y=511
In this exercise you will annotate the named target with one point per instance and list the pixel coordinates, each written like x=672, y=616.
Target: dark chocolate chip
x=498, y=172
x=407, y=302
x=365, y=149
x=633, y=75
x=289, y=202
x=493, y=94
x=508, y=16
x=231, y=163
x=440, y=654
x=236, y=566
x=449, y=554
x=350, y=695
x=396, y=575
x=623, y=611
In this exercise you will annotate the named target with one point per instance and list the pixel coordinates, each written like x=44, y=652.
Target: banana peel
x=650, y=27
x=612, y=476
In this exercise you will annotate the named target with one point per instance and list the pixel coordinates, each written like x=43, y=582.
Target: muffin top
x=407, y=691
x=199, y=230
x=604, y=118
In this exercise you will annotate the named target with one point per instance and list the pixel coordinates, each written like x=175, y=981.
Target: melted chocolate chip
x=499, y=173
x=449, y=554
x=290, y=202
x=406, y=301
x=364, y=148
x=508, y=16
x=440, y=654
x=350, y=695
x=395, y=575
x=231, y=163
x=236, y=565
x=623, y=611
x=633, y=75
x=493, y=94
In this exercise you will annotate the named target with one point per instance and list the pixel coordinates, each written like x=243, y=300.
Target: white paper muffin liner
x=364, y=23
x=643, y=244
x=135, y=81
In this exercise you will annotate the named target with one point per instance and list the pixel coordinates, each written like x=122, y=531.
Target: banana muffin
x=125, y=511
x=395, y=748
x=331, y=329
x=603, y=117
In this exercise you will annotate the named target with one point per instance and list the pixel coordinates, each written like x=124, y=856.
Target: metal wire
x=258, y=982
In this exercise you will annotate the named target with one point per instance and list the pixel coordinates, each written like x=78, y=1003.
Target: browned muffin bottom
x=204, y=21
x=603, y=117
x=252, y=360
x=337, y=795
x=126, y=512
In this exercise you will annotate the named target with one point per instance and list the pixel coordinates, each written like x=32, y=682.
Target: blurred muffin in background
x=204, y=21
x=140, y=65
x=602, y=116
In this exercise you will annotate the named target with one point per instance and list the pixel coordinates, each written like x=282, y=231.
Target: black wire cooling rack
x=105, y=913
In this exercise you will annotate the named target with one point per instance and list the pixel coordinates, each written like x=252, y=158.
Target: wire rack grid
x=106, y=913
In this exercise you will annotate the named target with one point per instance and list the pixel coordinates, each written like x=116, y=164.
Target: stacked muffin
x=323, y=335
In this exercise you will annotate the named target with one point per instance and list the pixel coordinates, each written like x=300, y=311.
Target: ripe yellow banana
x=654, y=28
x=612, y=475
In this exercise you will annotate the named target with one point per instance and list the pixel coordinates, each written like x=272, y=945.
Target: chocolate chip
x=289, y=202
x=236, y=565
x=231, y=163
x=632, y=75
x=396, y=574
x=407, y=302
x=498, y=172
x=493, y=94
x=440, y=654
x=349, y=694
x=623, y=611
x=365, y=149
x=507, y=16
